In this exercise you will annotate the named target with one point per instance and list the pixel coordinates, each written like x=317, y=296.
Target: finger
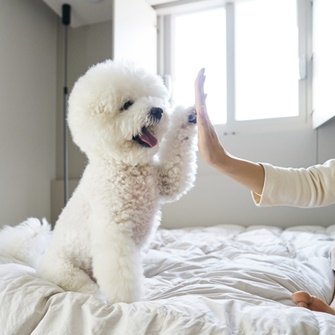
x=200, y=96
x=201, y=85
x=198, y=78
x=201, y=73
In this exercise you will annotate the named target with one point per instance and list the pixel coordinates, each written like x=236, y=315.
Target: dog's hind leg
x=64, y=274
x=117, y=263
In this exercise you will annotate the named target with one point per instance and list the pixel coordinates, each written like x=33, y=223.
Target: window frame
x=304, y=21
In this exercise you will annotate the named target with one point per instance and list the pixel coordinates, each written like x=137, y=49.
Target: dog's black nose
x=156, y=112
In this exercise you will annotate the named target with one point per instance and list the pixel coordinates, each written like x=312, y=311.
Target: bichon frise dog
x=140, y=156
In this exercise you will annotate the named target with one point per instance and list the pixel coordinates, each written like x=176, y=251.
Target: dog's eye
x=127, y=105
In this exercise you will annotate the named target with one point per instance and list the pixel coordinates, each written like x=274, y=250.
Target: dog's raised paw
x=192, y=117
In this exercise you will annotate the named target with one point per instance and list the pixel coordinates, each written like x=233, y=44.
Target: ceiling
x=85, y=12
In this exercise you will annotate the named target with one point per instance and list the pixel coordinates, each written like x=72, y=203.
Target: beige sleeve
x=311, y=187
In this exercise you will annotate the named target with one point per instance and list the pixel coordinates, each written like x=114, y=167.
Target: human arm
x=271, y=185
x=247, y=173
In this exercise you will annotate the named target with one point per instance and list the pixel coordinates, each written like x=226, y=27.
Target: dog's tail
x=27, y=241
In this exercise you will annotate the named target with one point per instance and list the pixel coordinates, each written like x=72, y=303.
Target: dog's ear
x=101, y=106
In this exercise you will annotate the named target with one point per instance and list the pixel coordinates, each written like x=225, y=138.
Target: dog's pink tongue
x=148, y=138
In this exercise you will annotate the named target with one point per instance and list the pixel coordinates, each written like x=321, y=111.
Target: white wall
x=87, y=45
x=28, y=109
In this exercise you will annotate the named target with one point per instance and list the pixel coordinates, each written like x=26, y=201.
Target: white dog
x=140, y=156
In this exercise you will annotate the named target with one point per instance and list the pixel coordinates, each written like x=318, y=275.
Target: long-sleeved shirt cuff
x=311, y=187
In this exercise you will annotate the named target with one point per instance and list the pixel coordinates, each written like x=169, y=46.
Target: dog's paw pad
x=192, y=118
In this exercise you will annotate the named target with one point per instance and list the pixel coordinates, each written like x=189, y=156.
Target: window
x=254, y=52
x=192, y=51
x=266, y=59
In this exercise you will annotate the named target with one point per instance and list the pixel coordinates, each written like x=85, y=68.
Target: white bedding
x=219, y=280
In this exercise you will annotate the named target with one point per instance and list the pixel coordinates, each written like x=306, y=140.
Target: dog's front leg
x=117, y=263
x=177, y=156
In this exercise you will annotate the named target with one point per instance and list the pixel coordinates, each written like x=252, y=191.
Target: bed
x=225, y=279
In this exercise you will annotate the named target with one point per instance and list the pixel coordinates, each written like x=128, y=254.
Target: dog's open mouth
x=146, y=139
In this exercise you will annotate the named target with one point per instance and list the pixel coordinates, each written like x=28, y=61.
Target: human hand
x=200, y=96
x=209, y=145
x=247, y=173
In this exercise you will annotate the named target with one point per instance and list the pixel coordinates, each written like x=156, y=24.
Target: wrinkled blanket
x=217, y=280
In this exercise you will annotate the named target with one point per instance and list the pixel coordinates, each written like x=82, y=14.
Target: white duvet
x=218, y=280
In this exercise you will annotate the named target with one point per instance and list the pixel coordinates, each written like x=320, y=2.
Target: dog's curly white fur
x=140, y=155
